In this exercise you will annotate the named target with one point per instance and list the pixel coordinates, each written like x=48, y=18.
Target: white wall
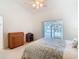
x=20, y=16
x=16, y=18
x=1, y=32
x=65, y=10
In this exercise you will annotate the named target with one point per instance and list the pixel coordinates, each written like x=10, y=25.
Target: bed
x=44, y=49
x=51, y=46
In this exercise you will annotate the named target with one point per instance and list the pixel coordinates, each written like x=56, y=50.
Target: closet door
x=47, y=29
x=1, y=32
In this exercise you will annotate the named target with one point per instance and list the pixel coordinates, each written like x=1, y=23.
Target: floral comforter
x=42, y=49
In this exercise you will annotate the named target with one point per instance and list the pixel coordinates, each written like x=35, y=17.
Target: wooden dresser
x=15, y=39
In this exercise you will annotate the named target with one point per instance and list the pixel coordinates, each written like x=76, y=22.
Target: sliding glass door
x=58, y=31
x=53, y=29
x=47, y=29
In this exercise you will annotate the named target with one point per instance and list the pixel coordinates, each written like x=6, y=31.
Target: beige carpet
x=17, y=53
x=12, y=53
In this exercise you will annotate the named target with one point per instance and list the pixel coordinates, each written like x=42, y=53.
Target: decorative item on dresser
x=15, y=39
